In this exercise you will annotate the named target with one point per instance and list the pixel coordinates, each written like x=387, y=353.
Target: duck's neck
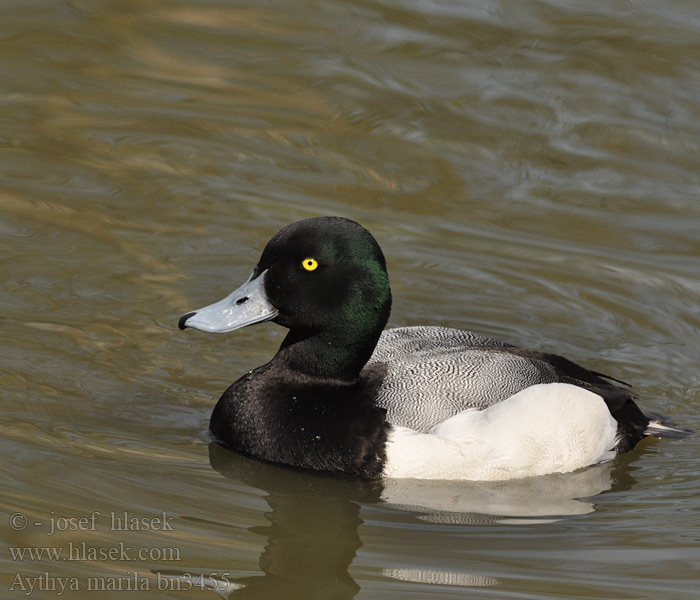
x=341, y=345
x=328, y=355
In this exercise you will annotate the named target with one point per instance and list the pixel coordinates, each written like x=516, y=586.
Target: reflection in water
x=543, y=499
x=313, y=535
x=440, y=577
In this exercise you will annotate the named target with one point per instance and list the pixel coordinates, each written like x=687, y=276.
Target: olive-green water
x=532, y=172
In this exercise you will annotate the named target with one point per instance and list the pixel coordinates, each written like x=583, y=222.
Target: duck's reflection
x=312, y=537
x=542, y=499
x=313, y=533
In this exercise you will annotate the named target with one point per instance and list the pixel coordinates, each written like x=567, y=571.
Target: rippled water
x=532, y=172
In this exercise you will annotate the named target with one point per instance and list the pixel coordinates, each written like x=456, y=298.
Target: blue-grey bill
x=245, y=306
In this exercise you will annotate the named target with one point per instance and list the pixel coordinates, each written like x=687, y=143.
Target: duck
x=344, y=396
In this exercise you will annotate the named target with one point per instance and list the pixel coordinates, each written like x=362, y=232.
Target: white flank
x=546, y=428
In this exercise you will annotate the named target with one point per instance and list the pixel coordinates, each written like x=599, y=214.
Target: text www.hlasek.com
x=47, y=581
x=83, y=552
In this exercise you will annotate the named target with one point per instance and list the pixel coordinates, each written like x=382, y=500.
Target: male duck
x=342, y=396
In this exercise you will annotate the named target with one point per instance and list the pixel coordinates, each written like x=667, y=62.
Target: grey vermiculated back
x=433, y=373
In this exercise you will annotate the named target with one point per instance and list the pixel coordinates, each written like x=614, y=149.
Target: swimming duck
x=343, y=396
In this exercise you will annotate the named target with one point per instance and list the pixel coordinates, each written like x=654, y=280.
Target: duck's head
x=323, y=278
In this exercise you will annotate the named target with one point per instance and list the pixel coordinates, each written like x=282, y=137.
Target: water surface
x=531, y=171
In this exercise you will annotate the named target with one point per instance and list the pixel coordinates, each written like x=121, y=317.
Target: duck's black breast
x=282, y=416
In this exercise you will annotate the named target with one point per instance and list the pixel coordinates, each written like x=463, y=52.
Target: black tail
x=658, y=428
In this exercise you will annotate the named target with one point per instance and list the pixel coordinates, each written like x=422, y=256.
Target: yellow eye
x=310, y=264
